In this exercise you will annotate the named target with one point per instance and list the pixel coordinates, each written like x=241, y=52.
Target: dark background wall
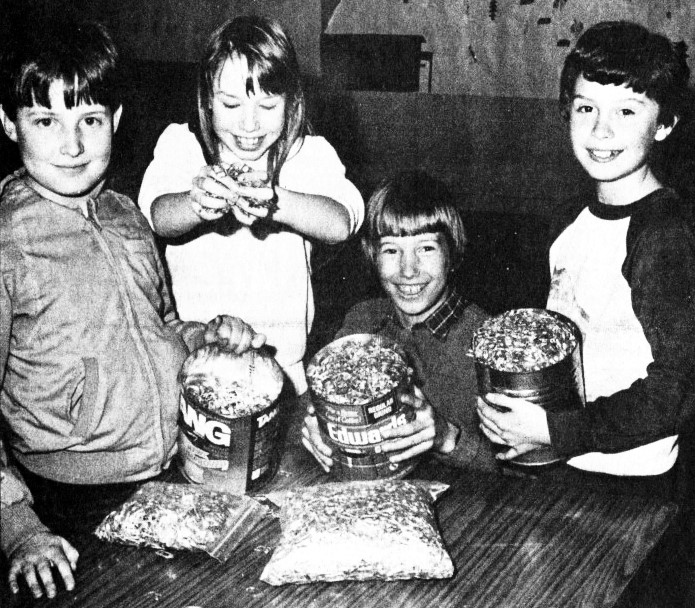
x=505, y=155
x=501, y=145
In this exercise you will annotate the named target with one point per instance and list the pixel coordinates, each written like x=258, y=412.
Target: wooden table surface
x=515, y=542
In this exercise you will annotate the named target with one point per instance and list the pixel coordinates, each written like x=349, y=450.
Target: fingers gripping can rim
x=229, y=427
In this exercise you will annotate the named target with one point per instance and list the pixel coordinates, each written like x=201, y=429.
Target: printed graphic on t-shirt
x=562, y=299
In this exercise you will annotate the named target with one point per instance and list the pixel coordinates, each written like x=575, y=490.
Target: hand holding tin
x=313, y=442
x=233, y=334
x=426, y=430
x=528, y=362
x=512, y=421
x=356, y=384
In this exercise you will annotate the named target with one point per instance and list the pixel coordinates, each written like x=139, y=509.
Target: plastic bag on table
x=181, y=516
x=359, y=530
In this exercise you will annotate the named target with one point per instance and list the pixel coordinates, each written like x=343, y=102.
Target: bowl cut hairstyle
x=80, y=54
x=412, y=203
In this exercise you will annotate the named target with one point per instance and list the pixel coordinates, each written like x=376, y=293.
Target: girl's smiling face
x=247, y=124
x=413, y=271
x=612, y=129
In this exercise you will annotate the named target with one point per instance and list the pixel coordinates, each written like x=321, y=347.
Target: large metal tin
x=235, y=454
x=354, y=431
x=558, y=387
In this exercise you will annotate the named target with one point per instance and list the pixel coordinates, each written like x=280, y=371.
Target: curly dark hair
x=626, y=53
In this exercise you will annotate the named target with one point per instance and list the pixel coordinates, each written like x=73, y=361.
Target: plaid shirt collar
x=443, y=318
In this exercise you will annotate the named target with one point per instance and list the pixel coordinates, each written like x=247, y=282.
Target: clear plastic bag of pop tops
x=359, y=530
x=183, y=517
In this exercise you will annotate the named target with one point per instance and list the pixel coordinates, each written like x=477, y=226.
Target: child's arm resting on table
x=30, y=547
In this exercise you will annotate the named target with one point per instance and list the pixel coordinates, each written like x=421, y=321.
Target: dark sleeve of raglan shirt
x=660, y=269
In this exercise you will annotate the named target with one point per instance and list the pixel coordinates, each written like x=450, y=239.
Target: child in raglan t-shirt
x=623, y=271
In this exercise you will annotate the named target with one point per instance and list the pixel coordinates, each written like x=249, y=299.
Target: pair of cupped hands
x=222, y=188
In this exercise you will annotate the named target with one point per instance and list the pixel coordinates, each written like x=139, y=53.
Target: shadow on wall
x=159, y=93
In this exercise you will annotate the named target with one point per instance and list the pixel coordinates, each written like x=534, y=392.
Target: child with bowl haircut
x=414, y=239
x=624, y=271
x=90, y=344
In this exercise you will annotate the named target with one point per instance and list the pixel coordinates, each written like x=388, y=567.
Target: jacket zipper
x=135, y=335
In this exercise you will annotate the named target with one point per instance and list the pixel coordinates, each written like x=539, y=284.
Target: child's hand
x=428, y=430
x=233, y=334
x=520, y=424
x=257, y=197
x=35, y=558
x=312, y=440
x=213, y=193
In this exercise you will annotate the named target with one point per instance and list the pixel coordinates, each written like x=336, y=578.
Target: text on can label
x=214, y=431
x=344, y=435
x=264, y=419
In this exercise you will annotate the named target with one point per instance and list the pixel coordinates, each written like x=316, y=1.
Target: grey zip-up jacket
x=90, y=344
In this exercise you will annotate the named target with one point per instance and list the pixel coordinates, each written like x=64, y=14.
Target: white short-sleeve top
x=263, y=280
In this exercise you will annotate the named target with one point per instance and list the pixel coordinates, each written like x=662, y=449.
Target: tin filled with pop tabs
x=229, y=419
x=533, y=354
x=355, y=383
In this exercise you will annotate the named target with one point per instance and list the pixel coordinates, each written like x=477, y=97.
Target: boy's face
x=413, y=271
x=612, y=129
x=65, y=151
x=247, y=124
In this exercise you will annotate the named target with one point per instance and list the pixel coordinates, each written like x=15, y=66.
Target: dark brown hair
x=81, y=54
x=626, y=53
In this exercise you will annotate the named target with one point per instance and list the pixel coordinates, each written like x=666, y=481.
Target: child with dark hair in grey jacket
x=90, y=343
